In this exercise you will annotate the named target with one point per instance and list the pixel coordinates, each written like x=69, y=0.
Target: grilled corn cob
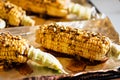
x=73, y=41
x=13, y=48
x=14, y=15
x=57, y=8
x=16, y=49
x=50, y=7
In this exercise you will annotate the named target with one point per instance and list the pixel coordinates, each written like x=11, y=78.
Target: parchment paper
x=72, y=66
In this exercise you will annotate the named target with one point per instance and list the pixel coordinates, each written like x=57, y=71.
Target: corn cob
x=13, y=48
x=82, y=12
x=57, y=8
x=73, y=41
x=14, y=15
x=16, y=49
x=42, y=6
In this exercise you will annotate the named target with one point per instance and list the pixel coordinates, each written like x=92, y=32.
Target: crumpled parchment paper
x=102, y=25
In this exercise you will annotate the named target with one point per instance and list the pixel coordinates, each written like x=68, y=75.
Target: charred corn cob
x=73, y=41
x=14, y=15
x=16, y=49
x=57, y=8
x=50, y=7
x=13, y=48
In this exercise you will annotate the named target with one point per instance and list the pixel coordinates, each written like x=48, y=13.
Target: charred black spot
x=17, y=53
x=69, y=44
x=62, y=29
x=85, y=40
x=7, y=45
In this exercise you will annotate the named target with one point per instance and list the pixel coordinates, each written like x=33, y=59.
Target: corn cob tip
x=2, y=24
x=81, y=11
x=27, y=21
x=115, y=51
x=45, y=59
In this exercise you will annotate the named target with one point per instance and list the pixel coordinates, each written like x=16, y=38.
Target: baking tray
x=81, y=71
x=103, y=71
